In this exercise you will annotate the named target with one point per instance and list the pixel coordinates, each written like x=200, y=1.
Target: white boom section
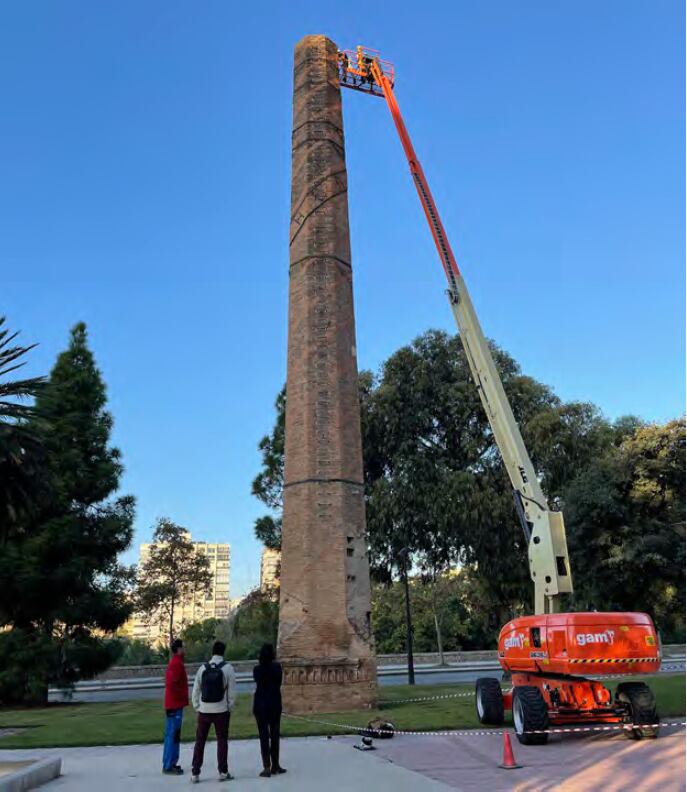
x=545, y=530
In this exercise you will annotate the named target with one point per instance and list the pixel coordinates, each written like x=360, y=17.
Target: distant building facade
x=269, y=569
x=211, y=605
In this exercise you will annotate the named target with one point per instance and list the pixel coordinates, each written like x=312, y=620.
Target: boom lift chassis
x=545, y=654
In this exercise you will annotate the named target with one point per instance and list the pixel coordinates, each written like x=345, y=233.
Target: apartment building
x=269, y=569
x=211, y=605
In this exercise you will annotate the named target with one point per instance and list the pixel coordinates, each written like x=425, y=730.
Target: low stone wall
x=146, y=671
x=246, y=666
x=421, y=658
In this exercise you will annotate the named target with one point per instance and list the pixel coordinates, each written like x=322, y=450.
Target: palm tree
x=20, y=449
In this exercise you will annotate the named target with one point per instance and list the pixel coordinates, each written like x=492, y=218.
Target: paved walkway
x=572, y=763
x=315, y=764
x=568, y=763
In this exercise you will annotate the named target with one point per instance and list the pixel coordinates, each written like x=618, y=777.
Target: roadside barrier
x=154, y=683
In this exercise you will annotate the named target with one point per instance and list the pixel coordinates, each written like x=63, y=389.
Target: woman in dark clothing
x=267, y=709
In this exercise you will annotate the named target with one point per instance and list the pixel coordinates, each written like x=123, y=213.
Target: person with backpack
x=267, y=709
x=214, y=693
x=176, y=698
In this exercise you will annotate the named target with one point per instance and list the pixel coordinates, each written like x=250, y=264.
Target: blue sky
x=144, y=189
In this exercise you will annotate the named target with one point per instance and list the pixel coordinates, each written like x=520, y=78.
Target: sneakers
x=278, y=770
x=195, y=779
x=175, y=771
x=266, y=773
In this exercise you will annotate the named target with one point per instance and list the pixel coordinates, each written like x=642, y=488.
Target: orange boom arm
x=425, y=194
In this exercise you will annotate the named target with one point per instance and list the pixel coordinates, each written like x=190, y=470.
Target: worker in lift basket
x=343, y=63
x=367, y=61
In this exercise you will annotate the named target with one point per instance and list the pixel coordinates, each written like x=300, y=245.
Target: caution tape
x=614, y=660
x=631, y=674
x=607, y=727
x=486, y=732
x=469, y=693
x=366, y=730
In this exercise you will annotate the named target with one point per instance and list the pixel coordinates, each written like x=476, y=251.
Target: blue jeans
x=170, y=754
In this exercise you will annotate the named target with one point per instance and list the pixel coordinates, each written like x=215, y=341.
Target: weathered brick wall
x=324, y=631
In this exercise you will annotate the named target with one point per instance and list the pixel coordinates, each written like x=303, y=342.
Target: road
x=424, y=676
x=449, y=677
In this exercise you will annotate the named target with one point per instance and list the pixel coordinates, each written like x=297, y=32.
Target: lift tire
x=641, y=704
x=530, y=713
x=489, y=701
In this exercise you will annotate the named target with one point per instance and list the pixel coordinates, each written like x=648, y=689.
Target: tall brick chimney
x=325, y=639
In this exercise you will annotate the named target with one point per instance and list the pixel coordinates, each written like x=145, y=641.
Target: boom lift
x=545, y=653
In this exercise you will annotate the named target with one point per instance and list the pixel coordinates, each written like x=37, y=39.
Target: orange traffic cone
x=509, y=762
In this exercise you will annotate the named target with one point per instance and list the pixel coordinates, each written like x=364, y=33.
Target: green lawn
x=131, y=722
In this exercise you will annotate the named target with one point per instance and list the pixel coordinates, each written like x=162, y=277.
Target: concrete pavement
x=569, y=763
x=314, y=764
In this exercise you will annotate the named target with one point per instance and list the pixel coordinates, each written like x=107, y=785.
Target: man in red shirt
x=176, y=698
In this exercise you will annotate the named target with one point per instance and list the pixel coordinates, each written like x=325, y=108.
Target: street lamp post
x=404, y=553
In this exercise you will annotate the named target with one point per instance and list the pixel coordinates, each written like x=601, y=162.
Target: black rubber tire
x=641, y=704
x=530, y=713
x=489, y=701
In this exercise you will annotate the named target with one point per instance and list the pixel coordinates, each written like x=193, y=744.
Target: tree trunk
x=440, y=643
x=171, y=623
x=409, y=627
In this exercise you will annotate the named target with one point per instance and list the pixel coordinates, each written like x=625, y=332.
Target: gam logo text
x=514, y=642
x=587, y=638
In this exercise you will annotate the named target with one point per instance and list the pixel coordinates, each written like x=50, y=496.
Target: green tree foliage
x=434, y=478
x=625, y=514
x=173, y=573
x=198, y=639
x=463, y=626
x=254, y=622
x=202, y=632
x=62, y=586
x=269, y=483
x=21, y=456
x=436, y=487
x=136, y=652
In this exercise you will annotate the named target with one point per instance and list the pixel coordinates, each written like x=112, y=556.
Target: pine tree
x=62, y=584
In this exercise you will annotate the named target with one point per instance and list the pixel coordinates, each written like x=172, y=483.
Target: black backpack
x=212, y=683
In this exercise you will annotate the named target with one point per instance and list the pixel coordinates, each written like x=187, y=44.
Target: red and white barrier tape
x=607, y=727
x=360, y=729
x=470, y=693
x=489, y=732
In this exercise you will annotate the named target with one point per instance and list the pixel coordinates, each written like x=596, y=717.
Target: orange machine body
x=580, y=643
x=555, y=653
